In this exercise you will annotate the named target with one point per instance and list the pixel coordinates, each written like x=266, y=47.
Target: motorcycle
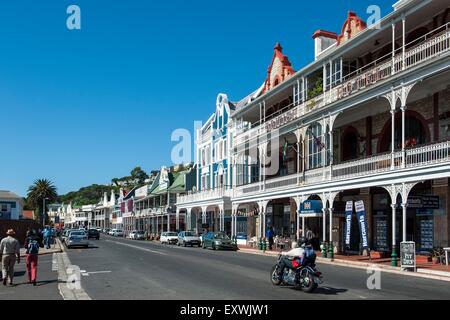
x=304, y=277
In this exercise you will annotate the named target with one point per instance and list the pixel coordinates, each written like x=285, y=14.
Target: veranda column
x=298, y=225
x=188, y=219
x=404, y=42
x=168, y=222
x=394, y=253
x=324, y=227
x=403, y=108
x=331, y=247
x=404, y=208
x=393, y=48
x=177, y=220
x=232, y=223
x=303, y=227
x=157, y=225
x=393, y=137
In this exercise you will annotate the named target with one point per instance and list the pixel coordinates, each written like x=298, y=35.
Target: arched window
x=416, y=132
x=350, y=145
x=315, y=145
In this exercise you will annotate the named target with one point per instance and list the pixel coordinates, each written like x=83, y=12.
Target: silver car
x=77, y=238
x=188, y=238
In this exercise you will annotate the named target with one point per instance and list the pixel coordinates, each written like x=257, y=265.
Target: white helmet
x=294, y=245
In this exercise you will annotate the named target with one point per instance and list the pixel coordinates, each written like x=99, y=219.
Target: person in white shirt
x=296, y=252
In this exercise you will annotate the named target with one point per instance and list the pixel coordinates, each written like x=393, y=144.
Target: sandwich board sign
x=408, y=254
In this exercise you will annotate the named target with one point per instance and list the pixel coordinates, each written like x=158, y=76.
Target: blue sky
x=82, y=107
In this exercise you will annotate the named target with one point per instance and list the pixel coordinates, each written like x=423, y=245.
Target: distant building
x=11, y=205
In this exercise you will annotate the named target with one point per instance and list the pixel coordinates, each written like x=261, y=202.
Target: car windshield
x=77, y=233
x=221, y=236
x=171, y=234
x=188, y=234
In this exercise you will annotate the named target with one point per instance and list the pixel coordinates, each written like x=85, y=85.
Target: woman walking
x=32, y=247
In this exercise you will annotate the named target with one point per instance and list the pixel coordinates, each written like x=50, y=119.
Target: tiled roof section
x=9, y=195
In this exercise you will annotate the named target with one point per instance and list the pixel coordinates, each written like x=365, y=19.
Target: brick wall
x=20, y=227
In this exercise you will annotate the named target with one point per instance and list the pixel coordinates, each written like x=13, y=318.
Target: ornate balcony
x=435, y=43
x=204, y=195
x=422, y=156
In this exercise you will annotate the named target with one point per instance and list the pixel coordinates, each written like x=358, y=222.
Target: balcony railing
x=435, y=43
x=204, y=195
x=421, y=156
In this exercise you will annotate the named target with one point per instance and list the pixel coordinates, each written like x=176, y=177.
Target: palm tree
x=40, y=190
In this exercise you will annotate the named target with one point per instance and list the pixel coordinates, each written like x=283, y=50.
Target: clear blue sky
x=82, y=107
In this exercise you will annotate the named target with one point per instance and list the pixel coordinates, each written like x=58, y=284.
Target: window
x=315, y=146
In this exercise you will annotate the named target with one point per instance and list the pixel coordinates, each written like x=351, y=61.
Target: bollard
x=324, y=250
x=331, y=251
x=264, y=245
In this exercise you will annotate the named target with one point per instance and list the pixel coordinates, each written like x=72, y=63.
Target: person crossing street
x=32, y=251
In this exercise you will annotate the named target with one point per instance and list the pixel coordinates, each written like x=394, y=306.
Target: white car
x=137, y=235
x=169, y=238
x=77, y=238
x=111, y=232
x=117, y=233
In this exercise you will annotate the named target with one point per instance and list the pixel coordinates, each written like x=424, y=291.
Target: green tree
x=139, y=175
x=41, y=189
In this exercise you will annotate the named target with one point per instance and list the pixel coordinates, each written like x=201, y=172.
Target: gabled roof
x=179, y=182
x=9, y=195
x=279, y=70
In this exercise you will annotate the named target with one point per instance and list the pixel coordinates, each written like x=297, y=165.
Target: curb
x=421, y=273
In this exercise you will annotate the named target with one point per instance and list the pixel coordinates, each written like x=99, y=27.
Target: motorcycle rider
x=297, y=251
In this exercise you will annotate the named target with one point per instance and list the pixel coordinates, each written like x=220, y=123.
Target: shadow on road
x=329, y=291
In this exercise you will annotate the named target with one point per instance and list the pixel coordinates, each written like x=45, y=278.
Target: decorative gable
x=279, y=70
x=352, y=26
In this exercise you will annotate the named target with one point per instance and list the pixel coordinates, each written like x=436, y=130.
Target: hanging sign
x=348, y=221
x=362, y=222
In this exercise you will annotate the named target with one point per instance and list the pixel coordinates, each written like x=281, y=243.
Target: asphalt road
x=116, y=268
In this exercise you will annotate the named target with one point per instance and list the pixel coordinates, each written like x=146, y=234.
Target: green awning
x=178, y=184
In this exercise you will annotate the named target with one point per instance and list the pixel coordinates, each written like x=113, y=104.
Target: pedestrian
x=9, y=249
x=47, y=237
x=32, y=247
x=269, y=235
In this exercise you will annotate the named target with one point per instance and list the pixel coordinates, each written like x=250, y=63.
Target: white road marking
x=137, y=247
x=87, y=274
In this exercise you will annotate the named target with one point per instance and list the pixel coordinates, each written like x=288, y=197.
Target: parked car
x=139, y=235
x=188, y=238
x=106, y=231
x=93, y=234
x=217, y=241
x=111, y=231
x=99, y=229
x=77, y=238
x=65, y=235
x=117, y=233
x=169, y=238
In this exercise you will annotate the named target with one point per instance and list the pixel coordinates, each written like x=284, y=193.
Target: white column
x=232, y=223
x=157, y=225
x=404, y=207
x=303, y=227
x=168, y=223
x=404, y=43
x=324, y=75
x=393, y=47
x=403, y=135
x=324, y=237
x=392, y=137
x=331, y=224
x=393, y=206
x=298, y=225
x=177, y=221
x=342, y=70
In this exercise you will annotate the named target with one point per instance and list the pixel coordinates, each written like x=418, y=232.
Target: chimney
x=113, y=198
x=322, y=41
x=105, y=199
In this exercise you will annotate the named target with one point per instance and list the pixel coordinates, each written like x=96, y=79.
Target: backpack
x=33, y=247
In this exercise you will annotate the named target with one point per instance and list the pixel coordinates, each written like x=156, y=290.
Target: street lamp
x=43, y=210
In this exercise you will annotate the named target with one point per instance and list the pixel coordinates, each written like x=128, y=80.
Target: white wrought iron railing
x=433, y=44
x=204, y=195
x=427, y=155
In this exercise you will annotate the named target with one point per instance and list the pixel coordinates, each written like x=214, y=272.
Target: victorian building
x=368, y=120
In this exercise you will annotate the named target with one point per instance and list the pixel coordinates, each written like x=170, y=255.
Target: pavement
x=55, y=248
x=117, y=268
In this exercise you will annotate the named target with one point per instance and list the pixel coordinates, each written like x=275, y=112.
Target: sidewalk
x=424, y=270
x=55, y=248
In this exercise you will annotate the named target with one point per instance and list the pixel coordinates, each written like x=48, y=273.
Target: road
x=116, y=268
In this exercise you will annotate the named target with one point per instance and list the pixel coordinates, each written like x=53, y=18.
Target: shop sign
x=348, y=222
x=423, y=202
x=362, y=222
x=281, y=120
x=311, y=206
x=408, y=254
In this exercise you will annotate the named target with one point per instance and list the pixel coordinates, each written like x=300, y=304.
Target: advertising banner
x=362, y=222
x=348, y=222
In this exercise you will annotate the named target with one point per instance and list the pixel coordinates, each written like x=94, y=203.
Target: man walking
x=32, y=246
x=269, y=235
x=9, y=249
x=47, y=237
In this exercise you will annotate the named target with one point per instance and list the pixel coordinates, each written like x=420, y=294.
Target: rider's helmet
x=303, y=241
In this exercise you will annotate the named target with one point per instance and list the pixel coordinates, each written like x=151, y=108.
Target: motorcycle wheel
x=308, y=284
x=274, y=276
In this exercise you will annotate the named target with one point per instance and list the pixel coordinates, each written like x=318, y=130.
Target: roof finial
x=278, y=47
